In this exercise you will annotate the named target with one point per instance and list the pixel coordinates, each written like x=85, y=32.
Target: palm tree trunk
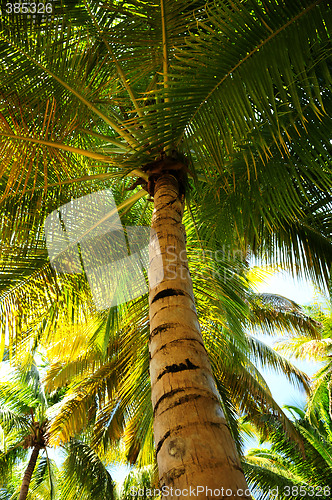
x=193, y=443
x=28, y=473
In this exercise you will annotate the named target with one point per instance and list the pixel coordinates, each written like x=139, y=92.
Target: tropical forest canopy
x=210, y=123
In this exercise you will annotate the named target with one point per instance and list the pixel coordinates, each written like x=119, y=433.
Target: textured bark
x=193, y=443
x=28, y=473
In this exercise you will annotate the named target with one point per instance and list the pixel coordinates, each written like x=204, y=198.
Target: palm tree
x=234, y=94
x=318, y=350
x=286, y=471
x=285, y=468
x=84, y=473
x=142, y=481
x=26, y=414
x=24, y=423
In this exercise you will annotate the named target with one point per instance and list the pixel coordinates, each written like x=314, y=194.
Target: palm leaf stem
x=59, y=145
x=165, y=52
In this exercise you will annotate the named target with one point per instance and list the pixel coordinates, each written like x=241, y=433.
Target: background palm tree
x=143, y=481
x=317, y=350
x=26, y=414
x=289, y=472
x=24, y=424
x=119, y=90
x=285, y=467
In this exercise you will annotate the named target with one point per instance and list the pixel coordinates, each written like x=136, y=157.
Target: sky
x=282, y=283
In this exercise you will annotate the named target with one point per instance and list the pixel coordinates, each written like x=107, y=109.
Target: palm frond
x=84, y=475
